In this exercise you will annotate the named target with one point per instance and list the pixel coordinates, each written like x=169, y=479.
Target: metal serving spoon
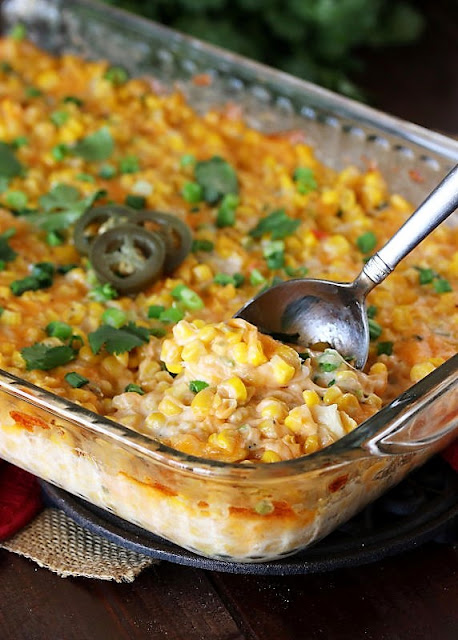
x=308, y=311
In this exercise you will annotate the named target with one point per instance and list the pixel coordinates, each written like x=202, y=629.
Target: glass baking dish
x=213, y=508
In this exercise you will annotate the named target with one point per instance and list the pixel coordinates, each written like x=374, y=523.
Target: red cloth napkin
x=20, y=497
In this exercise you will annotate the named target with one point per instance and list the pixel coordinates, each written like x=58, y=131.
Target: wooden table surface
x=411, y=596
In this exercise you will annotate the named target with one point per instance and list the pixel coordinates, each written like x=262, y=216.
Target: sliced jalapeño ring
x=96, y=221
x=128, y=257
x=176, y=233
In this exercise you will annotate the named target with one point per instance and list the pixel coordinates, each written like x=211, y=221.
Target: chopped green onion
x=366, y=242
x=372, y=311
x=375, y=329
x=73, y=100
x=85, y=177
x=385, y=348
x=305, y=180
x=114, y=317
x=60, y=151
x=116, y=75
x=16, y=199
x=192, y=192
x=103, y=292
x=75, y=379
x=226, y=212
x=129, y=164
x=188, y=160
x=155, y=310
x=299, y=272
x=54, y=239
x=5, y=67
x=197, y=385
x=2, y=265
x=327, y=367
x=33, y=92
x=237, y=279
x=134, y=388
x=187, y=296
x=202, y=245
x=256, y=278
x=274, y=253
x=59, y=118
x=107, y=171
x=225, y=218
x=136, y=202
x=19, y=141
x=58, y=329
x=18, y=32
x=171, y=315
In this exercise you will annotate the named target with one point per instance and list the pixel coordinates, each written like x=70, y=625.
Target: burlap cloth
x=56, y=542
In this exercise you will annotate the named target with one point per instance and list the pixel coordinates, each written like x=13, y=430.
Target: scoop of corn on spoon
x=307, y=311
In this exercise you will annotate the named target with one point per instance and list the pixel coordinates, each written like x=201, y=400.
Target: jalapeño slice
x=176, y=233
x=96, y=221
x=128, y=257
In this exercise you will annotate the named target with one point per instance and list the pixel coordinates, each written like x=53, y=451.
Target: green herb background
x=313, y=39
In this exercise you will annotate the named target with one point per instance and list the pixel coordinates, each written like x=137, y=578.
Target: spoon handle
x=441, y=203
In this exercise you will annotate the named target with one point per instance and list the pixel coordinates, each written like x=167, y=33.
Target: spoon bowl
x=306, y=312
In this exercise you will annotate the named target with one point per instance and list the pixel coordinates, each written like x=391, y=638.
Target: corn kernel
x=282, y=371
x=273, y=408
x=420, y=370
x=183, y=332
x=226, y=439
x=155, y=420
x=294, y=419
x=270, y=456
x=331, y=395
x=349, y=403
x=235, y=388
x=192, y=351
x=202, y=273
x=255, y=354
x=310, y=397
x=203, y=401
x=348, y=423
x=240, y=353
x=169, y=407
x=206, y=334
x=11, y=318
x=378, y=367
x=311, y=444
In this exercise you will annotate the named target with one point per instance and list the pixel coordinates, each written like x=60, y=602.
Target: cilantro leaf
x=217, y=178
x=44, y=357
x=277, y=223
x=61, y=207
x=119, y=340
x=96, y=146
x=9, y=164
